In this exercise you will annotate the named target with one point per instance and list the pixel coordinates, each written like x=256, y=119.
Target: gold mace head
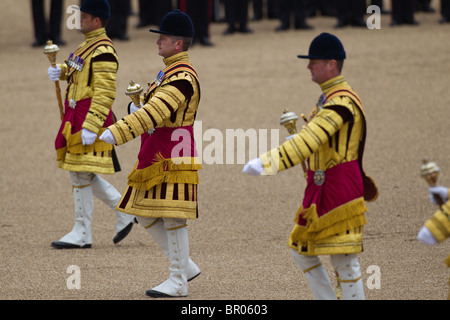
x=51, y=50
x=429, y=171
x=134, y=92
x=289, y=119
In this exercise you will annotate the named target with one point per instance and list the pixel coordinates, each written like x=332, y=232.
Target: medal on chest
x=159, y=78
x=75, y=62
x=319, y=105
x=152, y=85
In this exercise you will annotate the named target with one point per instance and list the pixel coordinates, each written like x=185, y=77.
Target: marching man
x=437, y=228
x=90, y=72
x=162, y=188
x=331, y=218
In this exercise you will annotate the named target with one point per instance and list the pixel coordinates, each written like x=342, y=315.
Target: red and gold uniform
x=91, y=89
x=90, y=72
x=439, y=226
x=332, y=215
x=164, y=182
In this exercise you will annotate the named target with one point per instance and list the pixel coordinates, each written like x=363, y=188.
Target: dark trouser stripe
x=175, y=191
x=125, y=200
x=186, y=192
x=163, y=190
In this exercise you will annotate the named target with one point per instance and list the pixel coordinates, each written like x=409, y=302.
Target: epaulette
x=87, y=49
x=170, y=71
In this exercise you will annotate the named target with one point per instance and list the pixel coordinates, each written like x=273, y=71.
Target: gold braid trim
x=151, y=224
x=80, y=187
x=176, y=170
x=439, y=223
x=74, y=144
x=345, y=217
x=312, y=268
x=339, y=281
x=176, y=228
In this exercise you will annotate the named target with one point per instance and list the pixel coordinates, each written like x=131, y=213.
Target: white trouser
x=347, y=270
x=85, y=185
x=106, y=192
x=172, y=237
x=315, y=275
x=84, y=206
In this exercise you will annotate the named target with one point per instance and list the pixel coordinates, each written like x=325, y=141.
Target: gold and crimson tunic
x=332, y=214
x=90, y=72
x=439, y=226
x=165, y=178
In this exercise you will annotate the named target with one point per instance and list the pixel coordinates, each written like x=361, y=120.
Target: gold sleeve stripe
x=129, y=127
x=151, y=118
x=439, y=223
x=160, y=107
x=308, y=140
x=300, y=156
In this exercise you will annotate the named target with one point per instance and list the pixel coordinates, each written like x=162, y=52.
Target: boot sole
x=123, y=233
x=158, y=294
x=66, y=245
x=194, y=277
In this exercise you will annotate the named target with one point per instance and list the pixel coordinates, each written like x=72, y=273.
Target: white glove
x=54, y=73
x=426, y=236
x=441, y=192
x=108, y=137
x=253, y=167
x=87, y=137
x=132, y=108
x=290, y=137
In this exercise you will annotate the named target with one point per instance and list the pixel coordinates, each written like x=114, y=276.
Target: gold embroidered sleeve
x=439, y=223
x=299, y=148
x=103, y=77
x=162, y=105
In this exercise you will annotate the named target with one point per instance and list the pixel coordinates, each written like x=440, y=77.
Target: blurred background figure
x=403, y=12
x=151, y=12
x=117, y=25
x=264, y=9
x=285, y=10
x=445, y=11
x=326, y=8
x=200, y=12
x=351, y=12
x=380, y=4
x=44, y=31
x=424, y=6
x=236, y=16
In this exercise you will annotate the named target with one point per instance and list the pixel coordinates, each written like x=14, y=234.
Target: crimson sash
x=343, y=183
x=76, y=117
x=167, y=143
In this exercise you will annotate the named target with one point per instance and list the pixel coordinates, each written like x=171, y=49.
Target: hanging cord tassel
x=338, y=286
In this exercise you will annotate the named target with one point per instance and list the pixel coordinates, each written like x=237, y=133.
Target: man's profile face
x=87, y=22
x=320, y=70
x=166, y=45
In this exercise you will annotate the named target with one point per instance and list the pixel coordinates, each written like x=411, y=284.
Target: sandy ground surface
x=239, y=241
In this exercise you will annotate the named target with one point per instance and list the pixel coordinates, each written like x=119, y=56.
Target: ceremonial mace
x=289, y=119
x=134, y=92
x=429, y=171
x=51, y=50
